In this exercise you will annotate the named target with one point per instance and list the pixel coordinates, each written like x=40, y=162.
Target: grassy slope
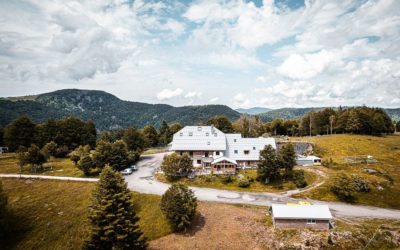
x=52, y=214
x=385, y=149
x=60, y=167
x=254, y=186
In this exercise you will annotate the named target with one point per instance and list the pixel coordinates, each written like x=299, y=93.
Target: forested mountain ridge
x=106, y=110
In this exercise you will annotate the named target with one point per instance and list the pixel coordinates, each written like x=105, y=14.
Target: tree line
x=355, y=120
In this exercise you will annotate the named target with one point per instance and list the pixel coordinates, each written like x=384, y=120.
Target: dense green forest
x=105, y=110
x=110, y=113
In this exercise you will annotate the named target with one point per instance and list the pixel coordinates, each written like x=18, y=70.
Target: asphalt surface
x=143, y=181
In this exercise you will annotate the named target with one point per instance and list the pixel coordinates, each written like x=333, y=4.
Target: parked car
x=127, y=171
x=133, y=167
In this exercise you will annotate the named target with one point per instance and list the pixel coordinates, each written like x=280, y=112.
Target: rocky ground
x=224, y=226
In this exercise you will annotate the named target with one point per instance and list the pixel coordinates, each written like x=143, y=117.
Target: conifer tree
x=179, y=206
x=268, y=168
x=287, y=158
x=3, y=210
x=114, y=223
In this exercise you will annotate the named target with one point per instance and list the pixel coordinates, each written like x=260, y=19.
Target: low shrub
x=360, y=184
x=61, y=152
x=343, y=187
x=298, y=178
x=225, y=179
x=244, y=183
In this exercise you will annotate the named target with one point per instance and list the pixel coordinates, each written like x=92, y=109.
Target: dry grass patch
x=47, y=214
x=54, y=167
x=385, y=183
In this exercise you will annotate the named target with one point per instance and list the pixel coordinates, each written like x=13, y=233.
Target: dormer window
x=190, y=133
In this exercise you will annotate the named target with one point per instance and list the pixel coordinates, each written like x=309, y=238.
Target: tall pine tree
x=112, y=216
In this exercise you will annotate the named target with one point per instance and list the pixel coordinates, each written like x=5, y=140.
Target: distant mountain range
x=253, y=111
x=110, y=112
x=106, y=110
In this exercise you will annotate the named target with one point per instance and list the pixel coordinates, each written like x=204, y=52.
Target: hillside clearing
x=54, y=167
x=385, y=182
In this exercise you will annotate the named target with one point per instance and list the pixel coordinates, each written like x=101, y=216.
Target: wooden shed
x=301, y=216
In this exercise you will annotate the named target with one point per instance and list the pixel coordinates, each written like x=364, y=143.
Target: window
x=207, y=134
x=215, y=134
x=246, y=152
x=198, y=128
x=198, y=161
x=180, y=134
x=208, y=143
x=311, y=221
x=234, y=140
x=254, y=148
x=235, y=151
x=217, y=153
x=190, y=133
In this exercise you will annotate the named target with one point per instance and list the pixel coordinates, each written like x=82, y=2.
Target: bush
x=179, y=205
x=343, y=187
x=61, y=152
x=298, y=178
x=360, y=184
x=227, y=179
x=208, y=178
x=244, y=183
x=86, y=164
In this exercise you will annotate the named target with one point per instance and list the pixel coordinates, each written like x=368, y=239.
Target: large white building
x=214, y=150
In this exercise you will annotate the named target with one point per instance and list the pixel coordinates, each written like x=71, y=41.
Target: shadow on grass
x=15, y=230
x=197, y=224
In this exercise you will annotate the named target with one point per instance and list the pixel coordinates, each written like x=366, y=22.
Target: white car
x=133, y=167
x=127, y=171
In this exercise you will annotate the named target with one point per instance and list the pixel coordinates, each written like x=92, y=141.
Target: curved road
x=143, y=181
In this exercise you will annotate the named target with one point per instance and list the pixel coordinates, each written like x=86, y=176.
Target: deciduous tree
x=19, y=132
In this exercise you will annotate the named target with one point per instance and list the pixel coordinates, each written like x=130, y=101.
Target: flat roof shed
x=301, y=216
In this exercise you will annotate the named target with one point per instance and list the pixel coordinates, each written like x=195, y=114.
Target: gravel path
x=143, y=181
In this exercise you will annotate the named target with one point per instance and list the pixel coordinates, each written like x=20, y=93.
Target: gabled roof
x=220, y=159
x=301, y=212
x=198, y=138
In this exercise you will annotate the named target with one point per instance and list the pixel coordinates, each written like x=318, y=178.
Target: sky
x=241, y=53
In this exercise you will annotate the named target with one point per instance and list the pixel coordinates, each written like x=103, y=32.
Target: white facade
x=205, y=144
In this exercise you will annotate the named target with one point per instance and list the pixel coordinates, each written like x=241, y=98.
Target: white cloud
x=193, y=94
x=323, y=53
x=214, y=99
x=166, y=94
x=241, y=101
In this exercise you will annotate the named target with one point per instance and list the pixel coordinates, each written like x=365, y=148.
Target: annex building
x=217, y=152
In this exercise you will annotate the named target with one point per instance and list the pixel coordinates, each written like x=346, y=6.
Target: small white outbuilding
x=301, y=216
x=310, y=160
